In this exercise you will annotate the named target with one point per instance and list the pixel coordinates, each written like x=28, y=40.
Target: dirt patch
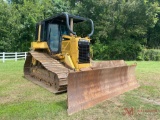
x=117, y=103
x=155, y=102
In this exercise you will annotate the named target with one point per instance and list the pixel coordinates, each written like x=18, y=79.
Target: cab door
x=54, y=38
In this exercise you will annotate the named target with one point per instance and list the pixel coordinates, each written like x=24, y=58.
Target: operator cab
x=54, y=36
x=53, y=28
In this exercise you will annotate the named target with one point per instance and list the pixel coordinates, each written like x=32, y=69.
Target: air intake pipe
x=74, y=33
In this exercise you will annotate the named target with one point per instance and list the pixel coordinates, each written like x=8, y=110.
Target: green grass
x=22, y=100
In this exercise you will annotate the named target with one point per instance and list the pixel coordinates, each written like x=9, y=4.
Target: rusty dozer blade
x=87, y=88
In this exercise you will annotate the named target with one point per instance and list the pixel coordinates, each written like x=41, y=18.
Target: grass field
x=23, y=100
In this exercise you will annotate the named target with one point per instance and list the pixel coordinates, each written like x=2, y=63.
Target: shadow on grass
x=62, y=104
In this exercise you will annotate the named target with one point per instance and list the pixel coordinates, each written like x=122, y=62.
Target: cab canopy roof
x=62, y=18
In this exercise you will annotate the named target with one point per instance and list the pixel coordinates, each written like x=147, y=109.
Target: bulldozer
x=60, y=61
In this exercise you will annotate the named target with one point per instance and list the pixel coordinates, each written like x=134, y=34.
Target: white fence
x=12, y=56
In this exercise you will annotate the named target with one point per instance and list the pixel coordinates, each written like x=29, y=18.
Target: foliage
x=5, y=14
x=117, y=24
x=120, y=49
x=18, y=20
x=127, y=49
x=99, y=51
x=121, y=27
x=149, y=55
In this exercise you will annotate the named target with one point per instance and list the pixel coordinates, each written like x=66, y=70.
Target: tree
x=119, y=21
x=5, y=35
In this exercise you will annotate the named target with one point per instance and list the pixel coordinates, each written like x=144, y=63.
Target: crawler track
x=46, y=71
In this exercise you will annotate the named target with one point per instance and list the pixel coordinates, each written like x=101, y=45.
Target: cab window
x=53, y=37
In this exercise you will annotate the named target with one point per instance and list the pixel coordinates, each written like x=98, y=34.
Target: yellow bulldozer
x=60, y=61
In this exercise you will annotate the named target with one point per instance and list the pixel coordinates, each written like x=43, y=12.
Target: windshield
x=53, y=37
x=64, y=30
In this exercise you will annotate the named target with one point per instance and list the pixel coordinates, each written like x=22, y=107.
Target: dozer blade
x=87, y=88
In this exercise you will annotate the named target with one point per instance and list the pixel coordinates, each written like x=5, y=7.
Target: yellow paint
x=39, y=33
x=84, y=65
x=66, y=37
x=39, y=45
x=34, y=61
x=69, y=50
x=68, y=61
x=70, y=46
x=60, y=56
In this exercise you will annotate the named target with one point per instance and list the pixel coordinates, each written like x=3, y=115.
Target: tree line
x=123, y=28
